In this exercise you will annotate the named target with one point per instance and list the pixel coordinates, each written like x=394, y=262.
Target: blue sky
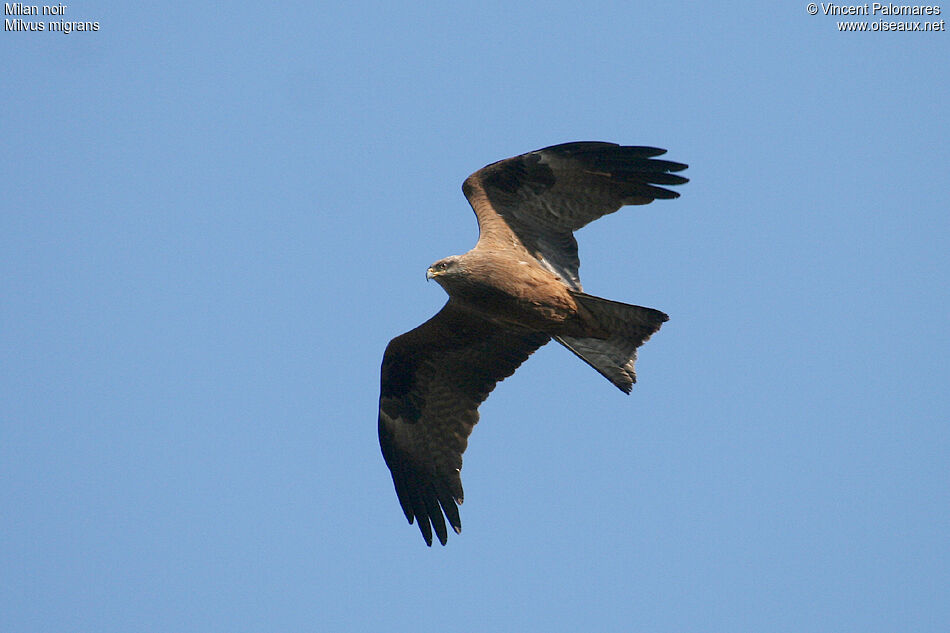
x=214, y=219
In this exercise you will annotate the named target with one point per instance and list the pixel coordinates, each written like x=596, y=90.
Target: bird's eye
x=443, y=265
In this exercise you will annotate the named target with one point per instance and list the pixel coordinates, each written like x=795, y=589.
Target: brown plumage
x=508, y=296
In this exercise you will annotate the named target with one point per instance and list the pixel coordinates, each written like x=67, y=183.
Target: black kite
x=507, y=297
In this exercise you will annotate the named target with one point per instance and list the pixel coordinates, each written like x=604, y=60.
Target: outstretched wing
x=537, y=200
x=433, y=379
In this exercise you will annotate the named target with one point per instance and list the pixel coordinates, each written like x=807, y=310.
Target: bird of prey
x=508, y=296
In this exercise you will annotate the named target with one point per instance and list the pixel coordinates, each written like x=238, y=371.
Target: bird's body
x=518, y=288
x=535, y=299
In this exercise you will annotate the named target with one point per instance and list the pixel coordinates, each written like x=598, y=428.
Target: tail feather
x=628, y=326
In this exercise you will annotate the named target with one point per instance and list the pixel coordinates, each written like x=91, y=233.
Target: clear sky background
x=214, y=219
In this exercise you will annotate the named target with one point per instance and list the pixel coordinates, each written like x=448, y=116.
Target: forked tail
x=628, y=326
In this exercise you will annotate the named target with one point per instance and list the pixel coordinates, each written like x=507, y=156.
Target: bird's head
x=444, y=269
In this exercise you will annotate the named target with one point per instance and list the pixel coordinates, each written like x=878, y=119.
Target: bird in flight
x=508, y=296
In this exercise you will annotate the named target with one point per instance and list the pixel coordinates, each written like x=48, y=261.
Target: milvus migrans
x=507, y=297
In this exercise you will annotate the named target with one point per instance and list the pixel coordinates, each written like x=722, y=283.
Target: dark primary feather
x=540, y=198
x=433, y=379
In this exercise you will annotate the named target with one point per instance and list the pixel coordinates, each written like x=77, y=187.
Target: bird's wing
x=433, y=379
x=537, y=200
